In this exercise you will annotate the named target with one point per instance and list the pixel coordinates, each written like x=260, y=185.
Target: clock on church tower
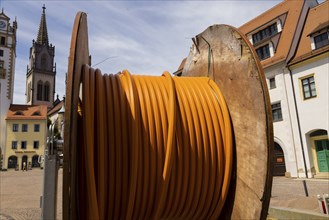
x=3, y=24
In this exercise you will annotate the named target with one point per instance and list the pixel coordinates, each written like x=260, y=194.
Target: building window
x=3, y=41
x=1, y=53
x=265, y=33
x=35, y=144
x=23, y=145
x=308, y=86
x=36, y=128
x=14, y=145
x=24, y=127
x=15, y=127
x=272, y=83
x=263, y=52
x=276, y=112
x=2, y=70
x=321, y=40
x=39, y=91
x=46, y=91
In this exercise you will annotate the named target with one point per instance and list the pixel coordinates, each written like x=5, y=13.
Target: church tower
x=41, y=71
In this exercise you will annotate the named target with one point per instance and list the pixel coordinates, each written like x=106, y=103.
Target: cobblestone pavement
x=290, y=193
x=20, y=194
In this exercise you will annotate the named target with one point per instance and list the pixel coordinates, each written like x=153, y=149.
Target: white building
x=297, y=82
x=7, y=72
x=310, y=74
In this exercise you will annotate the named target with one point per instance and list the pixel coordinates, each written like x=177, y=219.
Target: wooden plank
x=226, y=56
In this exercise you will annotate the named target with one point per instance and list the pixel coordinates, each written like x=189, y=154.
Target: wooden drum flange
x=222, y=53
x=79, y=55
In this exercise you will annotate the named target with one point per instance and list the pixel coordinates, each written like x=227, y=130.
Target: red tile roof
x=317, y=20
x=56, y=108
x=23, y=112
x=293, y=10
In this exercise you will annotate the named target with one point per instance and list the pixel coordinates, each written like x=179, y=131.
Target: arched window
x=12, y=162
x=44, y=62
x=39, y=90
x=35, y=162
x=46, y=91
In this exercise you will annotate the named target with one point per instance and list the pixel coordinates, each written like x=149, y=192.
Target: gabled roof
x=317, y=20
x=292, y=9
x=3, y=15
x=43, y=33
x=56, y=108
x=23, y=112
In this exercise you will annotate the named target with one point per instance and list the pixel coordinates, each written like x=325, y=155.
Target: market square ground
x=20, y=194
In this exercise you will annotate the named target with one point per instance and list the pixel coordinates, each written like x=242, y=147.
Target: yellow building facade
x=26, y=136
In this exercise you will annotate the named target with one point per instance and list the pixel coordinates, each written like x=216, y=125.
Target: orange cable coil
x=153, y=147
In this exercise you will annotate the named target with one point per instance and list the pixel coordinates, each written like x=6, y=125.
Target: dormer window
x=37, y=113
x=265, y=51
x=319, y=37
x=321, y=40
x=18, y=113
x=265, y=33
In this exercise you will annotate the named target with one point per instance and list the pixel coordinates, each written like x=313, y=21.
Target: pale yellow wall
x=30, y=136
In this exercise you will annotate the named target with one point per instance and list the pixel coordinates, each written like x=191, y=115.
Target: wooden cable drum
x=162, y=147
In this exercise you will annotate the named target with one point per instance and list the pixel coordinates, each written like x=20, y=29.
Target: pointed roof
x=43, y=33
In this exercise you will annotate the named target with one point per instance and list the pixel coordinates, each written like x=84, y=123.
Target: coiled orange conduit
x=152, y=147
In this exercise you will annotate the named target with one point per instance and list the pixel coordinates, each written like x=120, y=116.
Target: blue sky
x=145, y=37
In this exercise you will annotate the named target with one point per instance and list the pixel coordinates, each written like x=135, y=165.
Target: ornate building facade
x=7, y=72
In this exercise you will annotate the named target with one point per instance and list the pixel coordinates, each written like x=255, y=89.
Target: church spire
x=43, y=33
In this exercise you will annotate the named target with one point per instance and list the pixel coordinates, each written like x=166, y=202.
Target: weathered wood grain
x=79, y=55
x=226, y=56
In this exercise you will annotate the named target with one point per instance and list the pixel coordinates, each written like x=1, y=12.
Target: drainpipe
x=298, y=121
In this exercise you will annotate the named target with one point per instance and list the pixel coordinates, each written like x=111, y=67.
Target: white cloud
x=145, y=37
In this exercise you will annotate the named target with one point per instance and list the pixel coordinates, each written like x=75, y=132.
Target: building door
x=12, y=162
x=35, y=162
x=322, y=154
x=320, y=151
x=279, y=164
x=24, y=159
